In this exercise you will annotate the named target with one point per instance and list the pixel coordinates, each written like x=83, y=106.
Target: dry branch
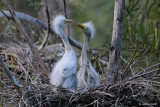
x=48, y=29
x=146, y=73
x=115, y=49
x=65, y=12
x=130, y=62
x=148, y=68
x=40, y=24
x=12, y=78
x=28, y=40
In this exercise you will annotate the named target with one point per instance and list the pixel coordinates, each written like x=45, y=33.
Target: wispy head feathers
x=90, y=28
x=58, y=21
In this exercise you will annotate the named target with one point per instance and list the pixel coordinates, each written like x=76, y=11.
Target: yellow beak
x=76, y=23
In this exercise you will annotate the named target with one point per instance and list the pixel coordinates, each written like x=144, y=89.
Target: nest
x=40, y=93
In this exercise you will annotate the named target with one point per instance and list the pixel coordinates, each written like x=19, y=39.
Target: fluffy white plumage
x=58, y=21
x=90, y=28
x=87, y=75
x=64, y=72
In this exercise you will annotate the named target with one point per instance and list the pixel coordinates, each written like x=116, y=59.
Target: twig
x=65, y=12
x=28, y=40
x=12, y=78
x=130, y=62
x=124, y=60
x=116, y=102
x=40, y=24
x=103, y=61
x=48, y=29
x=143, y=103
x=90, y=103
x=10, y=18
x=148, y=68
x=65, y=8
x=137, y=76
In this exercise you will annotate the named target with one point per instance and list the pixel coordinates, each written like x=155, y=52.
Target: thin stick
x=48, y=29
x=137, y=76
x=103, y=61
x=65, y=12
x=28, y=40
x=12, y=78
x=148, y=68
x=130, y=62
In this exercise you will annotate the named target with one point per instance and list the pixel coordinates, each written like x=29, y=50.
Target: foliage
x=140, y=24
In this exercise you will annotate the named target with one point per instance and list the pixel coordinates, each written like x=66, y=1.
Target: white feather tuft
x=58, y=21
x=90, y=28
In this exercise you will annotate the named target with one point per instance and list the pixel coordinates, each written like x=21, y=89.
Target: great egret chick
x=87, y=76
x=64, y=72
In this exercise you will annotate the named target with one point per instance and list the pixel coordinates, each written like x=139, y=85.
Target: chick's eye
x=64, y=71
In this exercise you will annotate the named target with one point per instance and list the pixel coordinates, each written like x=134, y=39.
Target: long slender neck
x=84, y=49
x=64, y=39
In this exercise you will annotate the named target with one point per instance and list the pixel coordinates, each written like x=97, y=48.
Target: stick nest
x=40, y=93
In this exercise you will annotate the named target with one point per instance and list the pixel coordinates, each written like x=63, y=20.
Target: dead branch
x=48, y=29
x=65, y=12
x=28, y=40
x=10, y=18
x=148, y=68
x=40, y=24
x=140, y=75
x=103, y=61
x=130, y=62
x=12, y=78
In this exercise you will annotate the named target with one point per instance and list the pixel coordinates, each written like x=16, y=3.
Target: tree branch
x=40, y=24
x=65, y=12
x=10, y=18
x=48, y=29
x=130, y=62
x=115, y=50
x=28, y=40
x=141, y=72
x=12, y=78
x=146, y=73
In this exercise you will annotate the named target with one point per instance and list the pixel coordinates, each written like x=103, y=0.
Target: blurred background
x=141, y=30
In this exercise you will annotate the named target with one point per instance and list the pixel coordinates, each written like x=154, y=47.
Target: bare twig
x=103, y=61
x=28, y=40
x=130, y=62
x=12, y=78
x=65, y=12
x=65, y=8
x=90, y=103
x=48, y=29
x=148, y=68
x=140, y=75
x=40, y=24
